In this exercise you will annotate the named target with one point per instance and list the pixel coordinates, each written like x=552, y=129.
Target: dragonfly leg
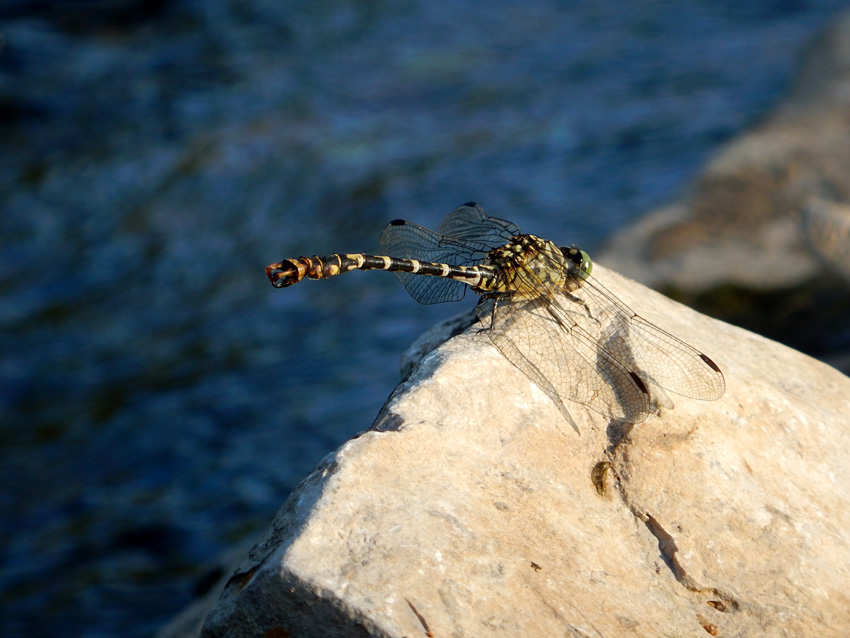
x=583, y=304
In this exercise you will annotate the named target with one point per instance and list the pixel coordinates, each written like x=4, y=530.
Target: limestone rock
x=471, y=508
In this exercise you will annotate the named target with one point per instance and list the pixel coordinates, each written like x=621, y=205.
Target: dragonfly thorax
x=528, y=266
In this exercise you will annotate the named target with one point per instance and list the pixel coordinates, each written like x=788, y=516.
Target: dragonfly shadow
x=617, y=431
x=635, y=390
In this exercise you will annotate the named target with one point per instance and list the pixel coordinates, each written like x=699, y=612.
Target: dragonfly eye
x=580, y=258
x=586, y=265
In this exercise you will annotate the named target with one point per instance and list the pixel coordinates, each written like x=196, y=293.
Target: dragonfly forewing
x=542, y=338
x=654, y=354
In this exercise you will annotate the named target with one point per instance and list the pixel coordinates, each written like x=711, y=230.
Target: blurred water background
x=159, y=398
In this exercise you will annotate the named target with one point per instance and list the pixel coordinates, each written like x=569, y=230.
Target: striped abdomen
x=291, y=271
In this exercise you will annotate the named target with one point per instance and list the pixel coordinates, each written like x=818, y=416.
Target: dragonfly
x=541, y=308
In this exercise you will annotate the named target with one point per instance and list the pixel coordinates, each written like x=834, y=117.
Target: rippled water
x=159, y=398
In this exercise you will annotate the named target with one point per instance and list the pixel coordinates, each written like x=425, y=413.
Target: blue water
x=159, y=398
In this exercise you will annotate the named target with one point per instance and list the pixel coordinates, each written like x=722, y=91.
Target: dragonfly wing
x=656, y=355
x=542, y=339
x=411, y=241
x=613, y=379
x=472, y=226
x=465, y=237
x=675, y=365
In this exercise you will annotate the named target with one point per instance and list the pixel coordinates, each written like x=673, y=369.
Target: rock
x=472, y=508
x=827, y=228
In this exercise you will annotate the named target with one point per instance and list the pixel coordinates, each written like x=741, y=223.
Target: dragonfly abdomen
x=291, y=271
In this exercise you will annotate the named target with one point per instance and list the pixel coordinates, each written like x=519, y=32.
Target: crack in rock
x=668, y=548
x=722, y=602
x=719, y=600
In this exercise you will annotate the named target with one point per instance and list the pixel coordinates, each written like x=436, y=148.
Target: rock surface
x=827, y=228
x=471, y=508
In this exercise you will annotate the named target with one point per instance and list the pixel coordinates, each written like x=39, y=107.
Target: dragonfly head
x=580, y=259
